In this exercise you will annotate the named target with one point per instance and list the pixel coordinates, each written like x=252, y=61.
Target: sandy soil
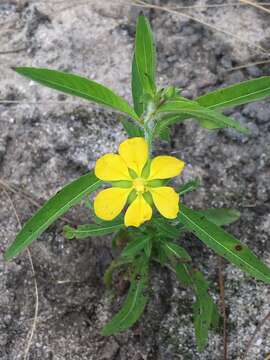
x=47, y=139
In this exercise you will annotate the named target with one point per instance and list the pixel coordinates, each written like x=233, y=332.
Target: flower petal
x=135, y=153
x=111, y=167
x=166, y=201
x=165, y=167
x=138, y=212
x=110, y=202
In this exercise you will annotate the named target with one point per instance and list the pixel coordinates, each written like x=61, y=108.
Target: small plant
x=154, y=222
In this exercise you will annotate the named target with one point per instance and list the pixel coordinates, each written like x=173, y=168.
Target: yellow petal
x=166, y=201
x=138, y=212
x=111, y=167
x=110, y=202
x=165, y=167
x=135, y=153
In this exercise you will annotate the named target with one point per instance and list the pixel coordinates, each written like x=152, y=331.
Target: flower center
x=139, y=185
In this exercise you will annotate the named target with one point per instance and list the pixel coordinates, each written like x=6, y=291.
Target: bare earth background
x=48, y=139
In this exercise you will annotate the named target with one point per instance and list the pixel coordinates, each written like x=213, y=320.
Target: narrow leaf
x=174, y=250
x=165, y=121
x=145, y=54
x=165, y=228
x=78, y=86
x=135, y=302
x=59, y=204
x=207, y=118
x=205, y=310
x=189, y=186
x=183, y=274
x=165, y=134
x=221, y=217
x=237, y=94
x=137, y=89
x=132, y=129
x=224, y=244
x=135, y=246
x=91, y=230
x=148, y=248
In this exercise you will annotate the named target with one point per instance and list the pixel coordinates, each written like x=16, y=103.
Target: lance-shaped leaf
x=205, y=310
x=132, y=129
x=237, y=94
x=135, y=301
x=135, y=246
x=78, y=86
x=137, y=89
x=173, y=250
x=167, y=120
x=145, y=55
x=165, y=228
x=189, y=186
x=209, y=119
x=59, y=204
x=183, y=274
x=224, y=244
x=221, y=217
x=92, y=230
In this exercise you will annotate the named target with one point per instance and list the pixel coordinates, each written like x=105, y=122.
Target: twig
x=256, y=332
x=12, y=51
x=249, y=65
x=34, y=324
x=256, y=5
x=223, y=307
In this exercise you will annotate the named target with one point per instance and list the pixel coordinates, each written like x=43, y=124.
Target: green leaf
x=148, y=248
x=173, y=250
x=58, y=205
x=135, y=302
x=78, y=86
x=91, y=230
x=221, y=217
x=132, y=129
x=135, y=246
x=237, y=94
x=183, y=274
x=165, y=121
x=165, y=134
x=207, y=118
x=165, y=228
x=205, y=311
x=137, y=89
x=189, y=186
x=145, y=54
x=224, y=244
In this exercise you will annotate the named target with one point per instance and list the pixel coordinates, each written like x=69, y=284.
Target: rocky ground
x=47, y=139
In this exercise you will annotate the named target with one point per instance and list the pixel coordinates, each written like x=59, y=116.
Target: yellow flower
x=133, y=175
